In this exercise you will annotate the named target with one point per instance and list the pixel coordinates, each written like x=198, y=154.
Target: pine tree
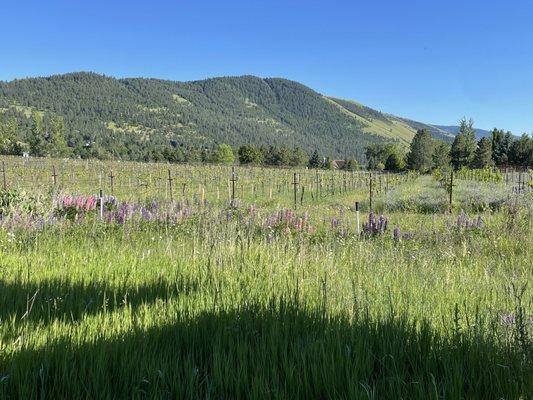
x=420, y=151
x=441, y=156
x=521, y=152
x=501, y=145
x=483, y=157
x=314, y=161
x=394, y=163
x=464, y=145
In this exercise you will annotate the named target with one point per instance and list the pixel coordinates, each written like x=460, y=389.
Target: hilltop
x=126, y=118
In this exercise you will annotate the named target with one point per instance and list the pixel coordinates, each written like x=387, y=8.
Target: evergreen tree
x=501, y=145
x=394, y=163
x=420, y=151
x=314, y=160
x=521, y=152
x=483, y=157
x=464, y=145
x=441, y=156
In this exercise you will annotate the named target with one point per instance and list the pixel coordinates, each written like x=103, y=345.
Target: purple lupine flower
x=145, y=214
x=508, y=319
x=396, y=233
x=464, y=222
x=373, y=226
x=121, y=216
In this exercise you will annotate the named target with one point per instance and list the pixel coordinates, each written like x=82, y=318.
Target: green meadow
x=255, y=300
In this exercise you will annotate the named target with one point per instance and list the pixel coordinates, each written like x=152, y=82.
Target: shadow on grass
x=283, y=350
x=51, y=300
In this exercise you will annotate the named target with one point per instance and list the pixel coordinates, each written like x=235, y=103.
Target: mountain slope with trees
x=91, y=115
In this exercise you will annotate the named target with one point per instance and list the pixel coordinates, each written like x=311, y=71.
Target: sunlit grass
x=220, y=304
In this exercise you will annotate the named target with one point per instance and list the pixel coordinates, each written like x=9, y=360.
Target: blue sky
x=434, y=61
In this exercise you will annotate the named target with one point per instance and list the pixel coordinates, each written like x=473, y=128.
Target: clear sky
x=432, y=60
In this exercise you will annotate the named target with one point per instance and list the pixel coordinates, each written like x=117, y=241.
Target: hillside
x=126, y=118
x=387, y=125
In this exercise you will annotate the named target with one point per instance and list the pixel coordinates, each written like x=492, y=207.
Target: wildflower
x=396, y=233
x=373, y=226
x=508, y=319
x=464, y=222
x=145, y=214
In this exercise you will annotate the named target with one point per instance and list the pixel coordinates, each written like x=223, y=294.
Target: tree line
x=48, y=136
x=426, y=153
x=502, y=149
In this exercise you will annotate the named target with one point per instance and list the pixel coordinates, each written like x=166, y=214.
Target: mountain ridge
x=128, y=116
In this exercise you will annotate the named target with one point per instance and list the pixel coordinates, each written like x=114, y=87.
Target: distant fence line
x=215, y=183
x=175, y=181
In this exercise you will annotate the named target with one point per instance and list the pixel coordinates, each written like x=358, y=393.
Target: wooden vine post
x=4, y=175
x=111, y=181
x=54, y=175
x=233, y=180
x=295, y=183
x=170, y=185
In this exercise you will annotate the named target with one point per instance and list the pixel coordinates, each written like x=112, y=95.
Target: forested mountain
x=148, y=119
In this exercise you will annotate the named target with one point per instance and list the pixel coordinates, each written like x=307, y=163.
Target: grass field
x=200, y=300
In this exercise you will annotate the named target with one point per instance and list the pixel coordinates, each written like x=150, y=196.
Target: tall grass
x=210, y=308
x=259, y=301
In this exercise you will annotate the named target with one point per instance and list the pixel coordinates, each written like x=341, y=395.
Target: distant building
x=338, y=164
